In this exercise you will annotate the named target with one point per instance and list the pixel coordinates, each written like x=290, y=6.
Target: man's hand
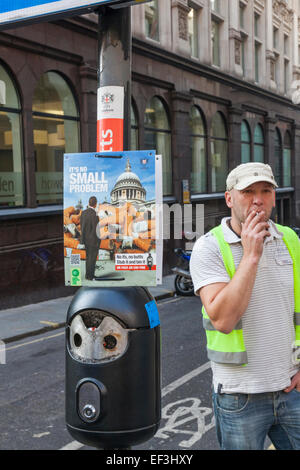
x=254, y=231
x=295, y=383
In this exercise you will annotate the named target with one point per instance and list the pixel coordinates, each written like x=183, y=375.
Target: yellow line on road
x=50, y=323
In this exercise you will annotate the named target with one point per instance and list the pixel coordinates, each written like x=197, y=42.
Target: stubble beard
x=241, y=218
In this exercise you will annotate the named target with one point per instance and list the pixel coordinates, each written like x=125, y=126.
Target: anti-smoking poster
x=112, y=219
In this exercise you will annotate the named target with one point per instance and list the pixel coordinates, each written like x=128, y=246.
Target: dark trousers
x=91, y=257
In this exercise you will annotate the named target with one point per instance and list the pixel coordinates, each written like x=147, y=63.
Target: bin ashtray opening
x=96, y=337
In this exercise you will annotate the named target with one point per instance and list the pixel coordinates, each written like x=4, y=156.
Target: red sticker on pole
x=110, y=119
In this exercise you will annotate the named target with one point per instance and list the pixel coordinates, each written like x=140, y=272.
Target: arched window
x=198, y=145
x=134, y=145
x=55, y=132
x=158, y=137
x=278, y=157
x=219, y=153
x=287, y=159
x=11, y=160
x=259, y=144
x=245, y=143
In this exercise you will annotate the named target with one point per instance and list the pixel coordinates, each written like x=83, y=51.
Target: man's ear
x=228, y=199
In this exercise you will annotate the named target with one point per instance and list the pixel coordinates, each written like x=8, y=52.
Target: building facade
x=214, y=84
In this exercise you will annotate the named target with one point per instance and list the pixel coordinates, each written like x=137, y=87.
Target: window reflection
x=158, y=137
x=55, y=132
x=215, y=5
x=152, y=20
x=287, y=159
x=198, y=144
x=259, y=144
x=219, y=153
x=193, y=32
x=11, y=161
x=134, y=129
x=215, y=42
x=278, y=157
x=245, y=143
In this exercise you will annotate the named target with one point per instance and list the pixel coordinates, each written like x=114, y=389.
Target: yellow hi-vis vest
x=230, y=348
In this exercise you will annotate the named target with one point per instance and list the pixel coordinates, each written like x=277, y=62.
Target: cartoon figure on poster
x=110, y=218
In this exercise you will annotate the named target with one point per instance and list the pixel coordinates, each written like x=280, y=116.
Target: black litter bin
x=113, y=373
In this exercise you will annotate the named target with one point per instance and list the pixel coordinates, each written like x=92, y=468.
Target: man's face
x=258, y=196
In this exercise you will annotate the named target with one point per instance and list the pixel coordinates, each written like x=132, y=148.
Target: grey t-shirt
x=268, y=326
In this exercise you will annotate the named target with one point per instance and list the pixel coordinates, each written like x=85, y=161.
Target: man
x=247, y=273
x=89, y=221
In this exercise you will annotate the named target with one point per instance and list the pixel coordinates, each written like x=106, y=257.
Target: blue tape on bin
x=153, y=314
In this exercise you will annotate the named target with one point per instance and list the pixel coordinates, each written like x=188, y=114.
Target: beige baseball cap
x=248, y=173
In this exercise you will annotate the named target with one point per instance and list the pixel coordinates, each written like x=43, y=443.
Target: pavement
x=29, y=320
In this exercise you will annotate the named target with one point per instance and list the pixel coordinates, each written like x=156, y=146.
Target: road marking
x=182, y=412
x=179, y=413
x=16, y=346
x=185, y=378
x=50, y=323
x=41, y=434
x=75, y=445
x=176, y=299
